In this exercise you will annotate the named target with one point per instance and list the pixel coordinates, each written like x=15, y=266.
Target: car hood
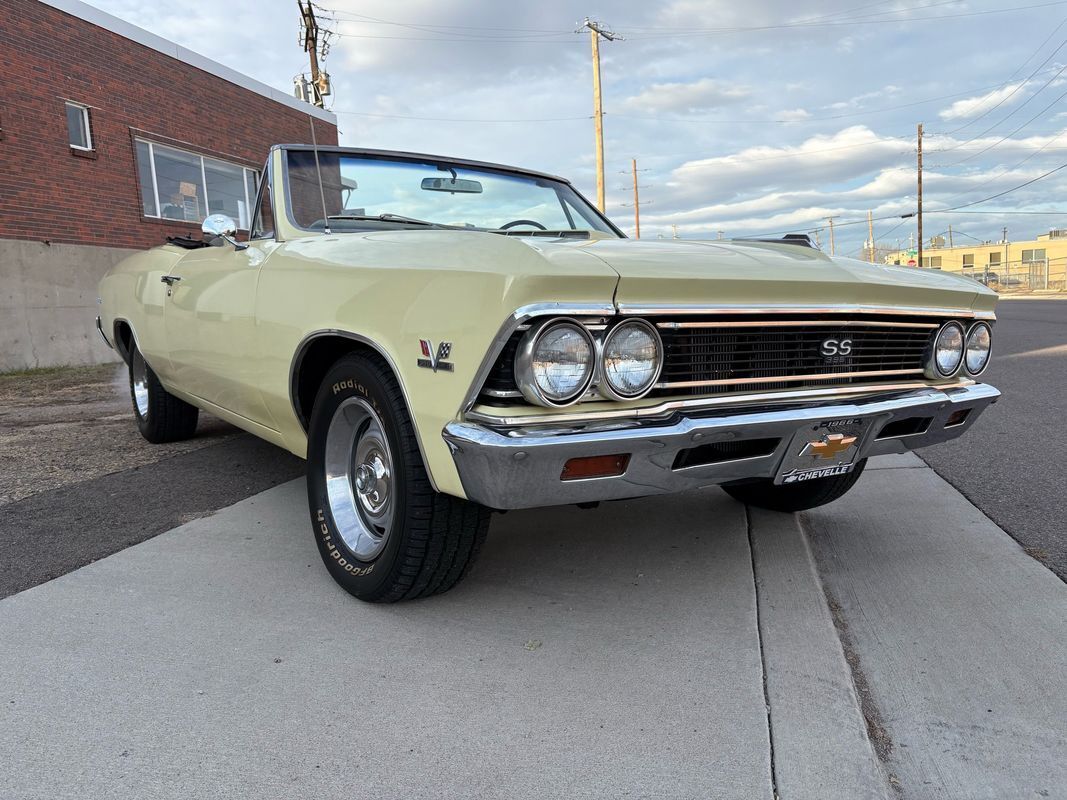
x=716, y=273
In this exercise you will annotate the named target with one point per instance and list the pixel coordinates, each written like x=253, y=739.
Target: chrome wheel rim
x=359, y=478
x=139, y=378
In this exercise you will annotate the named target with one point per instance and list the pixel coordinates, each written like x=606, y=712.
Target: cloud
x=796, y=115
x=973, y=106
x=699, y=95
x=817, y=161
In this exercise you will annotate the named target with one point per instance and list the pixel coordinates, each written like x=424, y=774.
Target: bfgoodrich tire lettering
x=430, y=541
x=763, y=493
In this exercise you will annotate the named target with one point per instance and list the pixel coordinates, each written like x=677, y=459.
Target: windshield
x=362, y=192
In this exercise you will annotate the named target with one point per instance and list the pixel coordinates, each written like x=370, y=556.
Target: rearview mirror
x=220, y=225
x=460, y=185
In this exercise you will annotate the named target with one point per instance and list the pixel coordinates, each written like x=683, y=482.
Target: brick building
x=111, y=139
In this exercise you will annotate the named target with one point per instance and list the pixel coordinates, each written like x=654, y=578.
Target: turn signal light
x=595, y=467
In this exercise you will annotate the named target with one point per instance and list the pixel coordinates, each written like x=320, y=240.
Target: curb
x=818, y=732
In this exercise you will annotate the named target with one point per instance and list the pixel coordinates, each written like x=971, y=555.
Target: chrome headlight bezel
x=933, y=368
x=604, y=386
x=525, y=378
x=974, y=329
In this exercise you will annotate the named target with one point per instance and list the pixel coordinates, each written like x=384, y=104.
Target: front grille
x=716, y=359
x=734, y=354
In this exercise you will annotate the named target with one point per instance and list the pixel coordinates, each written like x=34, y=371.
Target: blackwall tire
x=161, y=417
x=795, y=496
x=383, y=533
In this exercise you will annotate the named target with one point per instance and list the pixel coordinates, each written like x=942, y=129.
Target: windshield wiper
x=388, y=218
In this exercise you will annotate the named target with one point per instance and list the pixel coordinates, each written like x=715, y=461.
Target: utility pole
x=831, y=221
x=311, y=45
x=950, y=237
x=870, y=236
x=637, y=197
x=1006, y=268
x=919, y=259
x=595, y=32
x=637, y=200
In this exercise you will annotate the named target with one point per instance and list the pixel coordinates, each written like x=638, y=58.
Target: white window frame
x=203, y=179
x=84, y=109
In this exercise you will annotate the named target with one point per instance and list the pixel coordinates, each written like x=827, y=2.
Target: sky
x=746, y=118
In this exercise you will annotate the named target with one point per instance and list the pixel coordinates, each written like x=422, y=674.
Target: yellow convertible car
x=442, y=338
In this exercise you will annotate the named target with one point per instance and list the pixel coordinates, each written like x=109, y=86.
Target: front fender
x=387, y=296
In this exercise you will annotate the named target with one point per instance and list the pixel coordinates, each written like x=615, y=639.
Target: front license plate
x=823, y=449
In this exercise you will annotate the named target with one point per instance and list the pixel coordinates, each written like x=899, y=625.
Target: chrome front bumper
x=507, y=468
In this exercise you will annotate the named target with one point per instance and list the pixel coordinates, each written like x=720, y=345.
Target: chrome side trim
x=298, y=359
x=786, y=378
x=503, y=393
x=512, y=323
x=778, y=323
x=698, y=404
x=100, y=329
x=780, y=308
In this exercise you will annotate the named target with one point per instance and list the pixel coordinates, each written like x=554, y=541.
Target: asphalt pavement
x=1012, y=463
x=648, y=648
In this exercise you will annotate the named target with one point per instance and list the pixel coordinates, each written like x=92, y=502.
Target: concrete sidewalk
x=676, y=648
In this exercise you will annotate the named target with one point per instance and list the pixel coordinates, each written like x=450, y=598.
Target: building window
x=176, y=184
x=968, y=260
x=933, y=262
x=994, y=259
x=78, y=131
x=1034, y=256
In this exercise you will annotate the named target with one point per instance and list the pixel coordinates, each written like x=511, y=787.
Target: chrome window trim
x=626, y=309
x=665, y=409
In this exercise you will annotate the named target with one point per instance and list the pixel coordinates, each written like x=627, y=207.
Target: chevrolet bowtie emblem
x=435, y=360
x=829, y=446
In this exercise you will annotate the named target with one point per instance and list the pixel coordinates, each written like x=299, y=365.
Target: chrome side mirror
x=219, y=225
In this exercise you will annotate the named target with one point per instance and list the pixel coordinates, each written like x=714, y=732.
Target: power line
x=650, y=33
x=911, y=214
x=1022, y=83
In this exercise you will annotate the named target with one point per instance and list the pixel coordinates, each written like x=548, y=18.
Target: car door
x=209, y=316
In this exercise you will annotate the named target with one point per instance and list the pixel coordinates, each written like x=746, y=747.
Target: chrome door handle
x=170, y=280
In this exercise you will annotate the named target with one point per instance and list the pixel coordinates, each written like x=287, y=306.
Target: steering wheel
x=530, y=222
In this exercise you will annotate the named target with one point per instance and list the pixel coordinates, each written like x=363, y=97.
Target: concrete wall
x=48, y=303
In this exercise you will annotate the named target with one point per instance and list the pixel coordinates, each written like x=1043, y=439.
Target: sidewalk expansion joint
x=872, y=715
x=762, y=656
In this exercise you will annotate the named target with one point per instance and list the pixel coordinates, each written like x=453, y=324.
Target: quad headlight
x=554, y=363
x=948, y=350
x=979, y=347
x=631, y=360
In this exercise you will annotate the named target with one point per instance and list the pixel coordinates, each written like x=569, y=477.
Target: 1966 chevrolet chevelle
x=442, y=338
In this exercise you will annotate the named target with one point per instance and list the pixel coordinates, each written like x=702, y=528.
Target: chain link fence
x=1022, y=276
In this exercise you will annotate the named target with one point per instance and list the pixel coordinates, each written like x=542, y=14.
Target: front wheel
x=161, y=417
x=382, y=531
x=763, y=493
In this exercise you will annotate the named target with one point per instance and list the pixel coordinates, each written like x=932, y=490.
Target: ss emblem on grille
x=835, y=347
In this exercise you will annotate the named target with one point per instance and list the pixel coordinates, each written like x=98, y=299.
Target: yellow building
x=1034, y=264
